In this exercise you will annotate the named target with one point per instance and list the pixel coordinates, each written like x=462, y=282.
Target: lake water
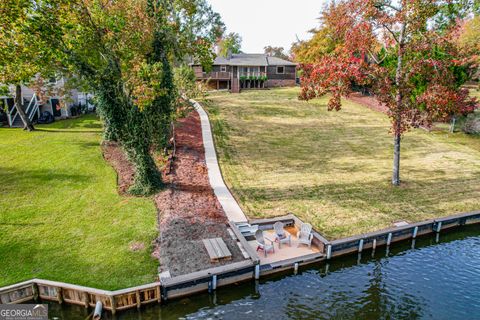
x=434, y=280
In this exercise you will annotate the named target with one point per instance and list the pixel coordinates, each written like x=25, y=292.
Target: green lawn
x=61, y=217
x=333, y=169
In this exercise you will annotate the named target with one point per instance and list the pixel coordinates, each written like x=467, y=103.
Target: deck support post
x=86, y=299
x=59, y=295
x=374, y=245
x=329, y=251
x=137, y=296
x=389, y=239
x=159, y=294
x=35, y=291
x=112, y=302
x=295, y=268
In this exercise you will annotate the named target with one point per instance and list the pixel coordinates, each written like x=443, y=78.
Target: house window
x=223, y=68
x=280, y=70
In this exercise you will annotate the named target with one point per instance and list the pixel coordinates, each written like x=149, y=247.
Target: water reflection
x=418, y=279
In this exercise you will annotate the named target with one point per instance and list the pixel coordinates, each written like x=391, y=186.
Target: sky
x=269, y=22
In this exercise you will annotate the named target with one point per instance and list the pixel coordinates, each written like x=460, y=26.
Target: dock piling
x=415, y=231
x=257, y=271
x=329, y=251
x=214, y=282
x=97, y=314
x=439, y=226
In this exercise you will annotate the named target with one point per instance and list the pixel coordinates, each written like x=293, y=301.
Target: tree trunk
x=397, y=127
x=138, y=145
x=27, y=125
x=396, y=160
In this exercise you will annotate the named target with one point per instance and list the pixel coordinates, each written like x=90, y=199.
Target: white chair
x=261, y=244
x=305, y=235
x=280, y=235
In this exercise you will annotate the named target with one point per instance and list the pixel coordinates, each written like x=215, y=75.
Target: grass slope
x=333, y=169
x=61, y=217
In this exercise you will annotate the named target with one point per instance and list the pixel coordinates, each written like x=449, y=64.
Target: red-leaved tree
x=391, y=46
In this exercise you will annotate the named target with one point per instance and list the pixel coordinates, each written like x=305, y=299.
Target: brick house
x=248, y=71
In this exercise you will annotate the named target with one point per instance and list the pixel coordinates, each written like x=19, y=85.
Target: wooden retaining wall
x=63, y=292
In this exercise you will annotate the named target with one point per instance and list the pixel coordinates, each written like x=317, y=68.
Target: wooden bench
x=217, y=249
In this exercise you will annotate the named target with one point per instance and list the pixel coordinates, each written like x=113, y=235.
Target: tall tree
x=278, y=52
x=230, y=43
x=326, y=38
x=467, y=38
x=125, y=50
x=23, y=56
x=416, y=74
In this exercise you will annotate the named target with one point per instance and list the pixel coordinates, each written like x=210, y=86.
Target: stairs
x=17, y=123
x=30, y=110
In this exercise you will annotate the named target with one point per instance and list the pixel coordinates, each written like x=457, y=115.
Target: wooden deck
x=286, y=252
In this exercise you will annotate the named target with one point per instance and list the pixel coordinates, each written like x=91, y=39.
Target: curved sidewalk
x=229, y=204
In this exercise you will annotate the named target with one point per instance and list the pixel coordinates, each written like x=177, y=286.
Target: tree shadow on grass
x=86, y=144
x=29, y=181
x=60, y=130
x=32, y=224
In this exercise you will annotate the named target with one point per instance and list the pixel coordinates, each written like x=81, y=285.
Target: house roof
x=274, y=61
x=252, y=59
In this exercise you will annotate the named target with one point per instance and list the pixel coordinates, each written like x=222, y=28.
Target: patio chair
x=280, y=235
x=261, y=244
x=305, y=235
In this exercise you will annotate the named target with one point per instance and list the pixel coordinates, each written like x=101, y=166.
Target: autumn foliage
x=391, y=47
x=429, y=85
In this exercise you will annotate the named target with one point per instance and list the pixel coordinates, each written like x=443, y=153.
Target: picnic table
x=217, y=249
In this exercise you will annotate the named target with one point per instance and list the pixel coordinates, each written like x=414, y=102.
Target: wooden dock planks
x=217, y=249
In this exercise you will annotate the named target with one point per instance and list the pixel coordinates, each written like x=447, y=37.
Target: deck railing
x=252, y=74
x=215, y=75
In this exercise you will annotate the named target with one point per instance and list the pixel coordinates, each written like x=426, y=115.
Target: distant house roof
x=252, y=59
x=274, y=61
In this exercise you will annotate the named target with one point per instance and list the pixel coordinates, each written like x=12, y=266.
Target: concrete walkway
x=229, y=204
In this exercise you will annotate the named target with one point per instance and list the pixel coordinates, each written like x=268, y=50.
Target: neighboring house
x=33, y=107
x=248, y=71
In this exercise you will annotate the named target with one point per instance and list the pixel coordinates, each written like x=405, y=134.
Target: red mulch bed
x=368, y=101
x=113, y=154
x=189, y=210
